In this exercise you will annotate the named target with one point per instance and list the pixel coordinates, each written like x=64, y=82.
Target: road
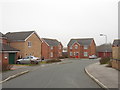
x=69, y=74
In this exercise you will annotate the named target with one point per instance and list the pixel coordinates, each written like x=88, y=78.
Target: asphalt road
x=69, y=74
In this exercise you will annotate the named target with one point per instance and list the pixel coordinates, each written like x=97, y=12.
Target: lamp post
x=105, y=37
x=105, y=42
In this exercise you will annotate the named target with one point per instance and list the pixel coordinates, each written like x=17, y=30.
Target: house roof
x=6, y=47
x=82, y=41
x=116, y=42
x=2, y=35
x=18, y=36
x=104, y=48
x=51, y=42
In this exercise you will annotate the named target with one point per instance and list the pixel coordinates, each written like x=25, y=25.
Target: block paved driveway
x=69, y=74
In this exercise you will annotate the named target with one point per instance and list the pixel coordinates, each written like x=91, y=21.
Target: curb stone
x=14, y=76
x=96, y=80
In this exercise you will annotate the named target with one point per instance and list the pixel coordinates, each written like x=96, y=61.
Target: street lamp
x=105, y=43
x=105, y=37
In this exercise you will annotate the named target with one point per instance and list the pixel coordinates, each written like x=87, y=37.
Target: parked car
x=28, y=60
x=92, y=57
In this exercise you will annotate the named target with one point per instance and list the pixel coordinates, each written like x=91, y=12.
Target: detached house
x=7, y=53
x=28, y=42
x=51, y=48
x=81, y=48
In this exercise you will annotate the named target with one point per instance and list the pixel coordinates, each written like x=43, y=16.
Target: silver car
x=28, y=60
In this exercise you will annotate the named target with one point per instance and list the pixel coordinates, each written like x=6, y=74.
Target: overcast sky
x=62, y=19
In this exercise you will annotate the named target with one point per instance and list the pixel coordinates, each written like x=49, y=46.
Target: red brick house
x=7, y=53
x=104, y=50
x=51, y=48
x=81, y=48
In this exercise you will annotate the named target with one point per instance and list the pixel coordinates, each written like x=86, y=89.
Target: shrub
x=53, y=60
x=104, y=60
x=6, y=66
x=109, y=64
x=61, y=57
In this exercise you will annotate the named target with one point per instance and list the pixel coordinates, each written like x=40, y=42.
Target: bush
x=53, y=60
x=6, y=66
x=61, y=57
x=104, y=60
x=109, y=64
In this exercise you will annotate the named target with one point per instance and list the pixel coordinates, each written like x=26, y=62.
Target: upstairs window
x=51, y=47
x=85, y=47
x=70, y=47
x=76, y=46
x=51, y=54
x=29, y=44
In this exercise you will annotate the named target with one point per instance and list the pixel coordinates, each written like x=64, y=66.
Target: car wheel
x=18, y=62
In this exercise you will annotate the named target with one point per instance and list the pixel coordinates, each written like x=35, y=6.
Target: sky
x=62, y=19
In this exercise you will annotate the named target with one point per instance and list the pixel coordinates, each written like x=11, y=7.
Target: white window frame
x=76, y=46
x=51, y=47
x=85, y=54
x=29, y=44
x=85, y=47
x=70, y=47
x=51, y=54
x=71, y=54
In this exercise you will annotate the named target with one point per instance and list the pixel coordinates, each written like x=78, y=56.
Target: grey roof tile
x=5, y=47
x=81, y=41
x=51, y=42
x=116, y=42
x=104, y=48
x=2, y=35
x=18, y=36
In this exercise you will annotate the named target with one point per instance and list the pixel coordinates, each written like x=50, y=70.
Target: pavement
x=106, y=77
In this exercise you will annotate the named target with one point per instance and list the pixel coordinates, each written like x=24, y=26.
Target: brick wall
x=91, y=50
x=116, y=64
x=45, y=50
x=34, y=50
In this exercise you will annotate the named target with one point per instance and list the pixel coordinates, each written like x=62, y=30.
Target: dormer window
x=29, y=44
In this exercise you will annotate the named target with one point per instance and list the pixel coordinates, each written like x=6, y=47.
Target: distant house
x=51, y=48
x=65, y=53
x=7, y=53
x=28, y=42
x=104, y=50
x=116, y=54
x=81, y=48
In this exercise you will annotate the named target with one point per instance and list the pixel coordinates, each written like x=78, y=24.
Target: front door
x=76, y=54
x=11, y=58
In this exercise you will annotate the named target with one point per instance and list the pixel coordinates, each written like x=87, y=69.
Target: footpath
x=106, y=77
